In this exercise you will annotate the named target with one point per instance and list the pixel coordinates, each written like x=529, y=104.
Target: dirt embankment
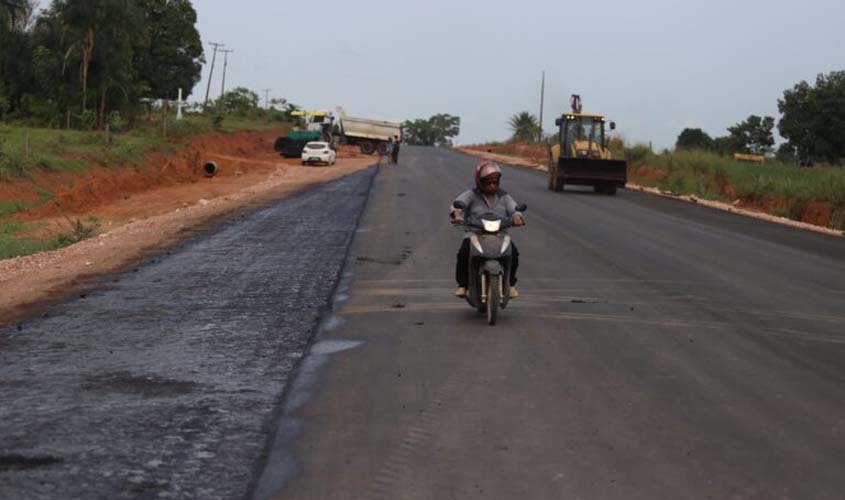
x=815, y=216
x=142, y=209
x=536, y=153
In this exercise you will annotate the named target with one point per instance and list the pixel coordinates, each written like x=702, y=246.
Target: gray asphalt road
x=162, y=383
x=659, y=350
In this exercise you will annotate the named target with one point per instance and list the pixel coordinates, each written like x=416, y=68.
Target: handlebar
x=506, y=223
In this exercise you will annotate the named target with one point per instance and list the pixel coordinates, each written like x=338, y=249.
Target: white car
x=318, y=152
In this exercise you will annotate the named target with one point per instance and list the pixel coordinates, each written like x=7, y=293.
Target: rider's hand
x=518, y=220
x=457, y=217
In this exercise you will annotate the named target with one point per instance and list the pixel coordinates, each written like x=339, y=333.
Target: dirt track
x=141, y=210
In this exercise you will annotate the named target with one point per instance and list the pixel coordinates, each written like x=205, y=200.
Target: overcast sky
x=653, y=66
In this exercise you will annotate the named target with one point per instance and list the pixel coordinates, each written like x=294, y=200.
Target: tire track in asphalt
x=395, y=479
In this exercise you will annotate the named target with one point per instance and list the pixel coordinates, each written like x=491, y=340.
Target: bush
x=84, y=120
x=79, y=231
x=116, y=122
x=637, y=155
x=217, y=119
x=12, y=164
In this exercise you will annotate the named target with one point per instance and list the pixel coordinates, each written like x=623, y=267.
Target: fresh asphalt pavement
x=658, y=350
x=162, y=383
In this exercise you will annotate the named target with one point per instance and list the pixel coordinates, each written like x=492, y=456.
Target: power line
x=267, y=98
x=211, y=73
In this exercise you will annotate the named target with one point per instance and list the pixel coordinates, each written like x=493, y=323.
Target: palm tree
x=525, y=127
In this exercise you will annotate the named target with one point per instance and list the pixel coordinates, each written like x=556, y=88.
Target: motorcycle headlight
x=491, y=226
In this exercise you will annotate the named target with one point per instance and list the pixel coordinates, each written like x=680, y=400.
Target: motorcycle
x=489, y=262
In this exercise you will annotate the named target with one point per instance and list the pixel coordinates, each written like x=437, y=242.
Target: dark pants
x=462, y=267
x=394, y=155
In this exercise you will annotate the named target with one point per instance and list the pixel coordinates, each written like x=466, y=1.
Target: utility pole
x=267, y=98
x=226, y=53
x=542, y=100
x=211, y=73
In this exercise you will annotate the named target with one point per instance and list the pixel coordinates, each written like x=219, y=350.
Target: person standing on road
x=394, y=155
x=486, y=197
x=388, y=150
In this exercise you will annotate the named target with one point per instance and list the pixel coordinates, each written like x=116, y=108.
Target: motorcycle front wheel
x=493, y=298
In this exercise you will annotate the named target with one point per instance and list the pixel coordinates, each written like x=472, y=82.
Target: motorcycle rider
x=487, y=196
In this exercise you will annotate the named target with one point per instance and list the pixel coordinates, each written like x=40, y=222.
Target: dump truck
x=317, y=126
x=581, y=156
x=369, y=134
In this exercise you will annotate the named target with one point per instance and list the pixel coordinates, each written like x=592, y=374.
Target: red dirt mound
x=79, y=193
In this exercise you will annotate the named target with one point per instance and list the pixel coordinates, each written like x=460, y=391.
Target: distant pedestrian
x=394, y=153
x=388, y=150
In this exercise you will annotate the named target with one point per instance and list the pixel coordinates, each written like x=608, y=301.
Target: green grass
x=707, y=175
x=196, y=124
x=12, y=244
x=10, y=207
x=24, y=149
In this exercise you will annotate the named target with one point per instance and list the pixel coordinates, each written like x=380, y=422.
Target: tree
x=113, y=74
x=727, y=145
x=80, y=18
x=239, y=101
x=436, y=131
x=88, y=58
x=15, y=14
x=169, y=55
x=15, y=53
x=525, y=127
x=786, y=153
x=813, y=118
x=694, y=138
x=54, y=61
x=754, y=135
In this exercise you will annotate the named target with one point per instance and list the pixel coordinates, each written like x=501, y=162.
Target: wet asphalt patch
x=164, y=383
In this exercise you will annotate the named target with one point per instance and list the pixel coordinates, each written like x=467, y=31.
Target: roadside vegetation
x=813, y=194
x=12, y=245
x=94, y=83
x=802, y=179
x=438, y=130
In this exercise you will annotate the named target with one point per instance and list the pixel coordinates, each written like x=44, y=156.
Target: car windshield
x=316, y=145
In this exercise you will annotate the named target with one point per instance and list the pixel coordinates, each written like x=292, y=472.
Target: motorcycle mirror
x=459, y=205
x=521, y=207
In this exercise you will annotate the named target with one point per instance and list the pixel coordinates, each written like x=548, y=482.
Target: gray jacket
x=503, y=205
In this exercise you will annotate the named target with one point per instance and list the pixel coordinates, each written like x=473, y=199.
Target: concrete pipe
x=209, y=168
